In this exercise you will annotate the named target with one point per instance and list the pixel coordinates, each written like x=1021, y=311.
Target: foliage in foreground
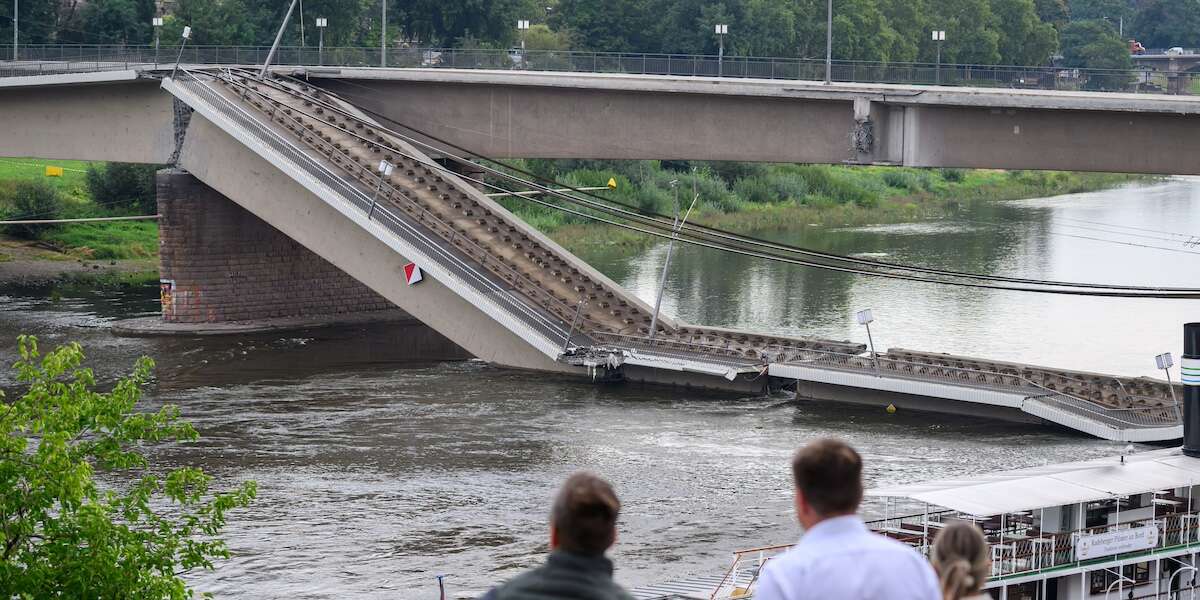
x=65, y=536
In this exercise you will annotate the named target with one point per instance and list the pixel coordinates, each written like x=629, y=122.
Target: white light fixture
x=722, y=29
x=523, y=24
x=1164, y=361
x=157, y=21
x=939, y=36
x=865, y=317
x=187, y=32
x=322, y=22
x=386, y=168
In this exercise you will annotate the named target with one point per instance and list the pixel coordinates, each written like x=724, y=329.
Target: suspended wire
x=1047, y=287
x=637, y=214
x=1171, y=233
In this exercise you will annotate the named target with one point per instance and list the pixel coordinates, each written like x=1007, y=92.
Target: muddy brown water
x=378, y=470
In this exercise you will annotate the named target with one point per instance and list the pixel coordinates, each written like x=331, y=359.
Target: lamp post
x=1165, y=362
x=675, y=229
x=866, y=317
x=16, y=4
x=322, y=22
x=722, y=31
x=1120, y=26
x=187, y=33
x=383, y=36
x=385, y=169
x=939, y=36
x=522, y=27
x=278, y=37
x=157, y=22
x=829, y=42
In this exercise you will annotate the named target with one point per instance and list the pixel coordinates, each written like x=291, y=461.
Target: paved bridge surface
x=302, y=158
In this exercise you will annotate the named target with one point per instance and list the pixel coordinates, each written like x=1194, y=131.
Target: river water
x=377, y=471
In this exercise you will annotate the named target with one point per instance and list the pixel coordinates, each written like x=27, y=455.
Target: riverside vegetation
x=744, y=197
x=749, y=197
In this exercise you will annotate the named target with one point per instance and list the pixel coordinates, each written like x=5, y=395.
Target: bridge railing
x=102, y=57
x=1126, y=416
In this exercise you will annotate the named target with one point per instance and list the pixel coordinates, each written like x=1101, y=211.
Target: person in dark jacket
x=583, y=525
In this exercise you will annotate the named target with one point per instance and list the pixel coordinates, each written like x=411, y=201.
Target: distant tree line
x=1083, y=33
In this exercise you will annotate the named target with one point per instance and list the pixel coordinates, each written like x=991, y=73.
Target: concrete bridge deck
x=301, y=159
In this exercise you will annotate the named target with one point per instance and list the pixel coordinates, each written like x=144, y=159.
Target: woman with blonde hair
x=960, y=557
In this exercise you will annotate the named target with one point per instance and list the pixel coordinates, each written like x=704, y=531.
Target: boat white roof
x=1061, y=484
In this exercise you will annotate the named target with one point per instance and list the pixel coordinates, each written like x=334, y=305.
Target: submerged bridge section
x=303, y=160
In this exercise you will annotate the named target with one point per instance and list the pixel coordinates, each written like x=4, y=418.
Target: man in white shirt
x=838, y=558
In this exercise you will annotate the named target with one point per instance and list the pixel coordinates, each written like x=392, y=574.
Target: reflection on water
x=378, y=470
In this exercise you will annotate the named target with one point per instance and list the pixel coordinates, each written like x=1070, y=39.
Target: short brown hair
x=585, y=515
x=828, y=472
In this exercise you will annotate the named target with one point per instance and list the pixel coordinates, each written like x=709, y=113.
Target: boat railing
x=741, y=577
x=1019, y=548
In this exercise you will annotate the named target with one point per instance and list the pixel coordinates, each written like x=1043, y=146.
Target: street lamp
x=722, y=31
x=675, y=229
x=322, y=23
x=1165, y=362
x=16, y=3
x=866, y=317
x=383, y=36
x=187, y=33
x=829, y=42
x=939, y=36
x=1120, y=26
x=157, y=23
x=385, y=169
x=522, y=26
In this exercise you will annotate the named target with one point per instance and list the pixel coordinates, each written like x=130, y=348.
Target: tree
x=1167, y=23
x=1054, y=12
x=65, y=537
x=1090, y=10
x=117, y=21
x=124, y=185
x=612, y=26
x=33, y=200
x=213, y=22
x=1095, y=45
x=38, y=22
x=1024, y=38
x=972, y=35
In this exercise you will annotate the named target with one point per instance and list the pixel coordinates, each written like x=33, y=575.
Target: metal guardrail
x=1135, y=417
x=423, y=216
x=973, y=75
x=385, y=216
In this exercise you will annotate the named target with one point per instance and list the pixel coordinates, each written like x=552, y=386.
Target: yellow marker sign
x=54, y=171
x=612, y=183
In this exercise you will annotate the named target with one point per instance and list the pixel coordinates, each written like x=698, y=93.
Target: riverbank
x=896, y=196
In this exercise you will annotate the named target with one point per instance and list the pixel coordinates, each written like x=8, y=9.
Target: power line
x=1098, y=290
x=663, y=222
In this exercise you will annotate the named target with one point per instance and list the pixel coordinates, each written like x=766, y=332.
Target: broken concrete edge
x=156, y=327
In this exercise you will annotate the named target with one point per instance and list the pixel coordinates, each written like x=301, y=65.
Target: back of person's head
x=584, y=516
x=960, y=556
x=828, y=473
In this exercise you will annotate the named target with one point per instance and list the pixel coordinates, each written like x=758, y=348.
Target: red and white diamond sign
x=412, y=273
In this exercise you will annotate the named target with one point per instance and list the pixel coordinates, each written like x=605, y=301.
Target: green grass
x=72, y=184
x=114, y=240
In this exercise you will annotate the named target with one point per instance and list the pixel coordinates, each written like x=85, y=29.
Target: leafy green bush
x=903, y=180
x=68, y=537
x=124, y=185
x=32, y=200
x=788, y=186
x=755, y=189
x=954, y=175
